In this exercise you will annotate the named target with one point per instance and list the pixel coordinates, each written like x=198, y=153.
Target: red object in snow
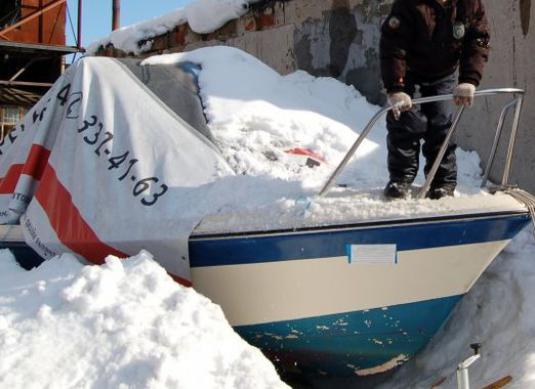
x=312, y=158
x=306, y=153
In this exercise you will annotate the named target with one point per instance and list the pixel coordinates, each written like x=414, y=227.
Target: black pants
x=429, y=122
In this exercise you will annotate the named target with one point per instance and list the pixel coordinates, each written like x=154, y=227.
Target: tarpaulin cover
x=101, y=166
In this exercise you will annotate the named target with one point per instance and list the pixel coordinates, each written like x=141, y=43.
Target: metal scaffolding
x=22, y=57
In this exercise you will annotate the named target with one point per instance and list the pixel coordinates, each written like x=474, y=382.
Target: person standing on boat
x=423, y=44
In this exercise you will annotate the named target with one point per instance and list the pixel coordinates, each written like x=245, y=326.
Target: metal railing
x=518, y=97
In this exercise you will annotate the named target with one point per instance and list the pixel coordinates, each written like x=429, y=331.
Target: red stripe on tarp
x=9, y=182
x=69, y=225
x=180, y=280
x=33, y=167
x=66, y=220
x=36, y=162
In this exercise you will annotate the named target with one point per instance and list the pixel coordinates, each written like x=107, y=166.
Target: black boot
x=397, y=190
x=436, y=193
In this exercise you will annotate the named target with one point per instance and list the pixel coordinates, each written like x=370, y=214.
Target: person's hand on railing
x=400, y=102
x=517, y=103
x=464, y=94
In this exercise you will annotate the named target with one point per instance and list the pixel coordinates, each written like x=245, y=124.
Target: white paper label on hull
x=372, y=253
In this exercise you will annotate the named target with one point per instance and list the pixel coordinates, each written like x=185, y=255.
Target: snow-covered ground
x=126, y=323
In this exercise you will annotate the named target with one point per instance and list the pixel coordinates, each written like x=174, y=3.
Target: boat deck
x=343, y=208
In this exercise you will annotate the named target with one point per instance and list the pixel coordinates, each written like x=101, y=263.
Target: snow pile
x=256, y=116
x=123, y=324
x=499, y=313
x=203, y=16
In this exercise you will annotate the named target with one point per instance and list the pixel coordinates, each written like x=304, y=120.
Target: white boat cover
x=101, y=166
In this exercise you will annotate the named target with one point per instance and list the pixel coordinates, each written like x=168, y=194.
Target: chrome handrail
x=517, y=103
x=436, y=163
x=496, y=142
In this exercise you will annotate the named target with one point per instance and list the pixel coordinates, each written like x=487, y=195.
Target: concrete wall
x=339, y=38
x=336, y=38
x=512, y=63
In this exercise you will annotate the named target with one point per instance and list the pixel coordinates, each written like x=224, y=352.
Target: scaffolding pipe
x=23, y=69
x=79, y=32
x=26, y=83
x=116, y=15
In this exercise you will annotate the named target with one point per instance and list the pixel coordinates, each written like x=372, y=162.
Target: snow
x=203, y=16
x=125, y=324
x=256, y=116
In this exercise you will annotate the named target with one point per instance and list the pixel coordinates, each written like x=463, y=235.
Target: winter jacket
x=432, y=40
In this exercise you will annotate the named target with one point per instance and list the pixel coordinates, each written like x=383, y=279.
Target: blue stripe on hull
x=332, y=243
x=25, y=255
x=342, y=343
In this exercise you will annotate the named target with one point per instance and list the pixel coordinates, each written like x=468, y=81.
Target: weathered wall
x=512, y=63
x=340, y=38
x=337, y=38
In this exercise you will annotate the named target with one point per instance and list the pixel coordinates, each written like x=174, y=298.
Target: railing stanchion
x=497, y=137
x=438, y=160
x=363, y=135
x=432, y=99
x=512, y=141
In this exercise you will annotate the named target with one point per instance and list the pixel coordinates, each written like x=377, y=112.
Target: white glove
x=400, y=102
x=464, y=94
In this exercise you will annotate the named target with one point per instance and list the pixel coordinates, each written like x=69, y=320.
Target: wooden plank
x=502, y=382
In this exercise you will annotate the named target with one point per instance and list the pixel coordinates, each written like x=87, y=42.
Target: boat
x=350, y=296
x=359, y=298
x=312, y=307
x=307, y=302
